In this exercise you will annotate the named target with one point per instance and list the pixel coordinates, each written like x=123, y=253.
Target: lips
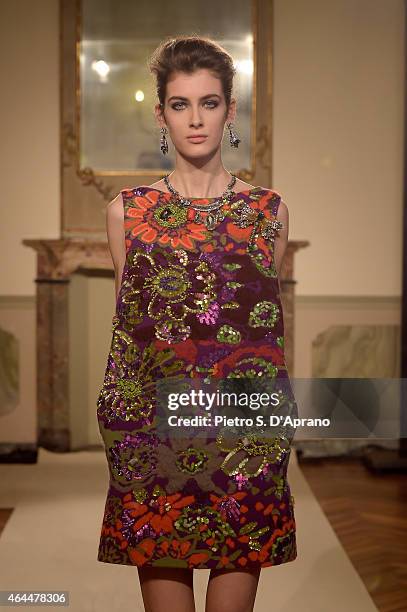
x=197, y=138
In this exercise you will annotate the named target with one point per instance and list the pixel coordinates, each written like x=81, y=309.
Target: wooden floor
x=368, y=512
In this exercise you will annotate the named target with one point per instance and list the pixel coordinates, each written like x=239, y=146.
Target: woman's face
x=195, y=105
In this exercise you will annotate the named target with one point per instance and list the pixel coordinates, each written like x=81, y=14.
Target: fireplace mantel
x=57, y=261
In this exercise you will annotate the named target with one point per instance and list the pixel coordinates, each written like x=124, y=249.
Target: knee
x=230, y=591
x=230, y=606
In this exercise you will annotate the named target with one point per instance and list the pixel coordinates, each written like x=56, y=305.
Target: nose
x=195, y=120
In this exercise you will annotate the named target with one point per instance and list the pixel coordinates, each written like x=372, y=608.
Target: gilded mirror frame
x=85, y=192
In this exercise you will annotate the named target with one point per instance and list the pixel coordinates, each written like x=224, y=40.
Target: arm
x=281, y=240
x=116, y=238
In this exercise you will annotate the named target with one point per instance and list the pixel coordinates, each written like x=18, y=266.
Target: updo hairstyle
x=187, y=54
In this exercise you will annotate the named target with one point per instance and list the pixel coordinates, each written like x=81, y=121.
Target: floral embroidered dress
x=199, y=298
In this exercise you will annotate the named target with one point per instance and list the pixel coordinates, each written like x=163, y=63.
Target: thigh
x=232, y=590
x=165, y=588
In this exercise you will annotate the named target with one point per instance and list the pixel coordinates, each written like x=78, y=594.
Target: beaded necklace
x=215, y=214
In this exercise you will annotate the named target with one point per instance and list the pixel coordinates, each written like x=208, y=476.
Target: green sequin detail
x=233, y=284
x=129, y=389
x=228, y=334
x=231, y=266
x=191, y=520
x=192, y=460
x=170, y=283
x=257, y=316
x=230, y=305
x=171, y=215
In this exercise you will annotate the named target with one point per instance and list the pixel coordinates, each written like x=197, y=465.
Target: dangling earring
x=163, y=141
x=233, y=137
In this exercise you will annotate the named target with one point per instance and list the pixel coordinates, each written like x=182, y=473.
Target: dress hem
x=241, y=567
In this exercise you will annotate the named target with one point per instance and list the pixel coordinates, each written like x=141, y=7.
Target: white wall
x=29, y=143
x=338, y=141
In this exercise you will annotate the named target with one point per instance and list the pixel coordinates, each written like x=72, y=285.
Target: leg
x=167, y=588
x=232, y=590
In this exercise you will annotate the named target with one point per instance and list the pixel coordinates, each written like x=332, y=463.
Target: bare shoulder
x=115, y=231
x=282, y=209
x=159, y=185
x=115, y=207
x=242, y=186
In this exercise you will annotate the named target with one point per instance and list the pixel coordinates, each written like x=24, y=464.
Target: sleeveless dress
x=199, y=300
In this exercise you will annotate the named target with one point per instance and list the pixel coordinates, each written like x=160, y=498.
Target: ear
x=231, y=114
x=159, y=115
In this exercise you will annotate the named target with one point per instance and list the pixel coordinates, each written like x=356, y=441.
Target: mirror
x=116, y=95
x=109, y=136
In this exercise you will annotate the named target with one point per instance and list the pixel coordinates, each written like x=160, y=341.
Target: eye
x=214, y=104
x=175, y=106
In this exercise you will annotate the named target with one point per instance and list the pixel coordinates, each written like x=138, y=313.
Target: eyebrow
x=203, y=97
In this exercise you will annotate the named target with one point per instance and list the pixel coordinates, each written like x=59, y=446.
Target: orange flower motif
x=232, y=361
x=197, y=559
x=184, y=350
x=160, y=515
x=208, y=248
x=286, y=528
x=264, y=247
x=216, y=499
x=237, y=233
x=243, y=538
x=176, y=549
x=143, y=552
x=154, y=217
x=219, y=503
x=112, y=532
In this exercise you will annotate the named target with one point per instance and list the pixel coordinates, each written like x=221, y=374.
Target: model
x=197, y=257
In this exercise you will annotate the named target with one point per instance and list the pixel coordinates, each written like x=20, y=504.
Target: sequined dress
x=195, y=301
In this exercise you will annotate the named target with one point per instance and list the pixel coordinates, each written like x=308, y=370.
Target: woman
x=197, y=295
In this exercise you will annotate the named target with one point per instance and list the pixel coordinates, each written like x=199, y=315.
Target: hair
x=187, y=54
